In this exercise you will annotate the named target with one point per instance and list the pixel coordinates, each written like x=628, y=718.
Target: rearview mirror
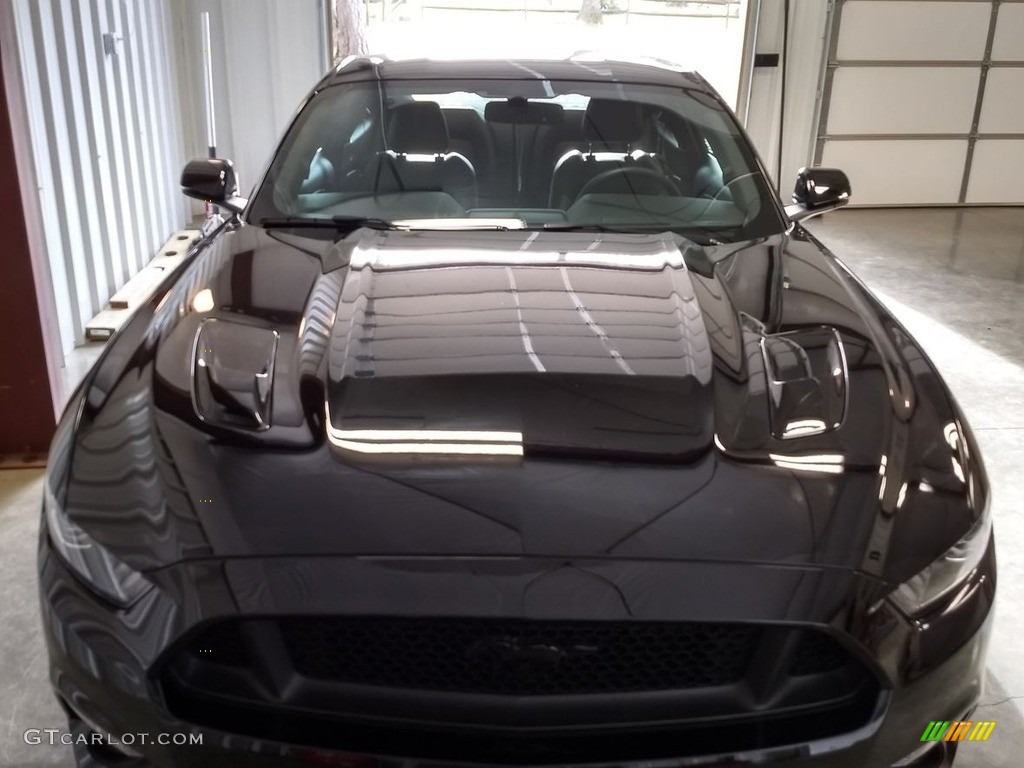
x=212, y=180
x=519, y=111
x=817, y=191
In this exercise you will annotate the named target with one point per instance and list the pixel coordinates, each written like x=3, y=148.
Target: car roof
x=584, y=67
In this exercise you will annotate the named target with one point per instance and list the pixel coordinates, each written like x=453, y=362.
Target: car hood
x=519, y=394
x=526, y=350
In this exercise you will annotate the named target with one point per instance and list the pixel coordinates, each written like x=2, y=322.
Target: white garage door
x=923, y=100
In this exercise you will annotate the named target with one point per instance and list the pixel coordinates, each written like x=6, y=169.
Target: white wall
x=807, y=34
x=267, y=55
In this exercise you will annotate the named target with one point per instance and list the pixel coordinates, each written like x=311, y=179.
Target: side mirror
x=817, y=191
x=212, y=180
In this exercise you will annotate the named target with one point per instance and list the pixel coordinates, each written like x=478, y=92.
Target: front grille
x=519, y=658
x=817, y=654
x=223, y=644
x=515, y=691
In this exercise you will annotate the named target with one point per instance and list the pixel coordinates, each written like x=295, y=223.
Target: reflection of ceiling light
x=801, y=427
x=203, y=301
x=952, y=435
x=430, y=435
x=958, y=470
x=403, y=258
x=431, y=448
x=828, y=463
x=902, y=497
x=434, y=442
x=881, y=471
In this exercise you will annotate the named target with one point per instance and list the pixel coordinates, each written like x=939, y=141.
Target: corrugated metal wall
x=100, y=83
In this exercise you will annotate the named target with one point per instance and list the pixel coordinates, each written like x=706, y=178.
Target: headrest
x=418, y=128
x=610, y=121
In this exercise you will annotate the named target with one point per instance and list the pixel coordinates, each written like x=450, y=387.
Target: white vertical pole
x=747, y=62
x=211, y=123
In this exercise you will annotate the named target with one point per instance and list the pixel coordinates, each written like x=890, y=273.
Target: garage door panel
x=1008, y=44
x=892, y=100
x=900, y=171
x=873, y=30
x=991, y=182
x=1003, y=108
x=901, y=109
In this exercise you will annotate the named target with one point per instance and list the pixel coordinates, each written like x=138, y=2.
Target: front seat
x=417, y=158
x=611, y=129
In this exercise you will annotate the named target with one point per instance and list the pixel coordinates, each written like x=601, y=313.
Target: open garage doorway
x=707, y=36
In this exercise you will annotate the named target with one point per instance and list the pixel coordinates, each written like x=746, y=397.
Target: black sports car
x=513, y=420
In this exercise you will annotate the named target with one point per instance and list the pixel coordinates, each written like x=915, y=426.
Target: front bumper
x=104, y=670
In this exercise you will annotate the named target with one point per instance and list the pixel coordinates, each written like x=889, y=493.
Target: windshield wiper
x=347, y=224
x=557, y=227
x=343, y=224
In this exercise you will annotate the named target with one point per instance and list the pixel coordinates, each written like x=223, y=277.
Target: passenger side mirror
x=817, y=191
x=212, y=180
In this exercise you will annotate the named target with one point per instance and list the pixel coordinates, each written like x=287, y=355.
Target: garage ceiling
x=922, y=100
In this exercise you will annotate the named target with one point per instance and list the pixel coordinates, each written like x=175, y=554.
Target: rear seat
x=540, y=147
x=468, y=135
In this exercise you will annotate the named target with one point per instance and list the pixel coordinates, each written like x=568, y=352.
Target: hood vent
x=233, y=374
x=807, y=381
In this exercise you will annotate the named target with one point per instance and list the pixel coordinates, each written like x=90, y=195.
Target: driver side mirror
x=212, y=180
x=818, y=190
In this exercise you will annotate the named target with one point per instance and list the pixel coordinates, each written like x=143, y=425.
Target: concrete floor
x=955, y=278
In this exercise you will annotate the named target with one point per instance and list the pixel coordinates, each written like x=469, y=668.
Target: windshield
x=536, y=154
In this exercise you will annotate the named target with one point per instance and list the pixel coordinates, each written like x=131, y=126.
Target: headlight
x=947, y=573
x=94, y=565
x=951, y=570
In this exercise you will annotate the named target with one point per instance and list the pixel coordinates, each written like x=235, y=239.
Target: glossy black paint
x=817, y=191
x=234, y=487
x=212, y=180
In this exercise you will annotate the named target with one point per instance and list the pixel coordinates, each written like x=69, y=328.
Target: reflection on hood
x=649, y=417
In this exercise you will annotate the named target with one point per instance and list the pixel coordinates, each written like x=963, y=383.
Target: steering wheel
x=640, y=174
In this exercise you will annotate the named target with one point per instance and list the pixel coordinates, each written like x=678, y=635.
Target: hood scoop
x=807, y=381
x=233, y=374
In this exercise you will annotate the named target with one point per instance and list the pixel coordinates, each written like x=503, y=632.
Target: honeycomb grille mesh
x=223, y=643
x=817, y=654
x=518, y=657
